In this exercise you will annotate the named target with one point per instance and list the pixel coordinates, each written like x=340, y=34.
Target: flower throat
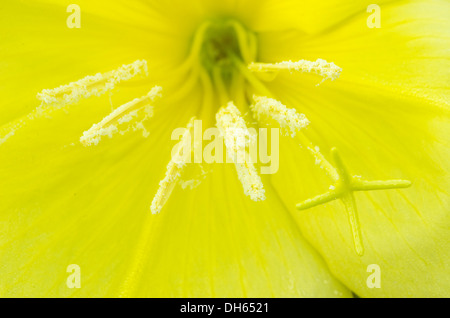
x=223, y=41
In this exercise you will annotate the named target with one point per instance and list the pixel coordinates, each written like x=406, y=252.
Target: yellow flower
x=137, y=70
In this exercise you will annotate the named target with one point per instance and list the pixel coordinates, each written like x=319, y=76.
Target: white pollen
x=236, y=136
x=327, y=70
x=288, y=118
x=9, y=130
x=128, y=114
x=93, y=85
x=57, y=98
x=173, y=172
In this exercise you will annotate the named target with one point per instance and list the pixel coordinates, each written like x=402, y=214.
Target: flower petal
x=216, y=242
x=90, y=207
x=388, y=116
x=310, y=17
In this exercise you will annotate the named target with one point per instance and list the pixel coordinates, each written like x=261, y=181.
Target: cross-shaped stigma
x=343, y=190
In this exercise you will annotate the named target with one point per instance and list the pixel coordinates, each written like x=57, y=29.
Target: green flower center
x=222, y=41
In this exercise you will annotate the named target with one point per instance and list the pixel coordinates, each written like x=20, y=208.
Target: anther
x=287, y=118
x=174, y=169
x=136, y=112
x=321, y=67
x=71, y=93
x=236, y=136
x=90, y=85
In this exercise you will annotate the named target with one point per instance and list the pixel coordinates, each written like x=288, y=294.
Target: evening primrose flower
x=89, y=176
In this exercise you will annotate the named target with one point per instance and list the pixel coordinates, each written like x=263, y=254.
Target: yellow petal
x=388, y=115
x=407, y=55
x=216, y=242
x=310, y=17
x=89, y=206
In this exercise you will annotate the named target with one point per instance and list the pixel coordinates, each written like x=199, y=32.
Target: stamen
x=321, y=67
x=286, y=117
x=73, y=92
x=90, y=85
x=174, y=170
x=344, y=190
x=314, y=150
x=220, y=86
x=122, y=115
x=246, y=40
x=236, y=136
x=10, y=129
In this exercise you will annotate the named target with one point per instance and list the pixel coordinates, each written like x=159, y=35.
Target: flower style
x=89, y=178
